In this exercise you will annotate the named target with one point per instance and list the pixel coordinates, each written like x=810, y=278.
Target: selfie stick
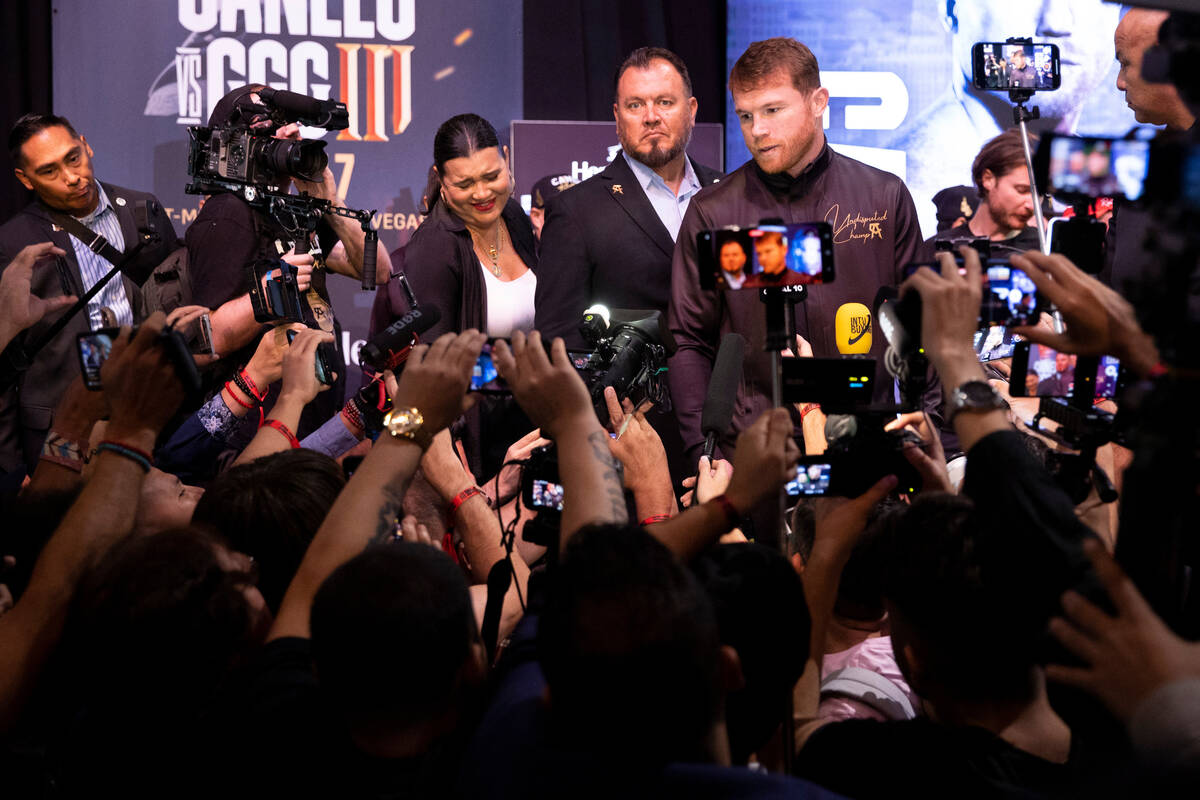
x=1020, y=115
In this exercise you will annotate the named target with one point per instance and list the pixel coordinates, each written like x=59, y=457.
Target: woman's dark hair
x=458, y=137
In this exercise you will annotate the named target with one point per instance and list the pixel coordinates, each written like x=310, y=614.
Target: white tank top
x=509, y=303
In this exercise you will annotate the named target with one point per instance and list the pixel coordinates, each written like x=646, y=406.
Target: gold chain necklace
x=493, y=251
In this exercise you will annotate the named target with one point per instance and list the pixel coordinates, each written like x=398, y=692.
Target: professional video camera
x=243, y=157
x=245, y=152
x=629, y=352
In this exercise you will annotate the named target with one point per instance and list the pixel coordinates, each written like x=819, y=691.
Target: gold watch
x=407, y=423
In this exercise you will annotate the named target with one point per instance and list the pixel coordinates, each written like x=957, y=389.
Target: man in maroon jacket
x=794, y=177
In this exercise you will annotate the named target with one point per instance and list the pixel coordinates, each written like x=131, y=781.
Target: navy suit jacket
x=603, y=243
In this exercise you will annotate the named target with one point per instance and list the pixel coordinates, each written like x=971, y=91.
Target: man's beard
x=658, y=158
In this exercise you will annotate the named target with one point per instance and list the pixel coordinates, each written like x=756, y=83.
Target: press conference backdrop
x=895, y=70
x=131, y=75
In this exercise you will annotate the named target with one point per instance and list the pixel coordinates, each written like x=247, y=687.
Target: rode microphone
x=328, y=114
x=391, y=346
x=717, y=414
x=852, y=329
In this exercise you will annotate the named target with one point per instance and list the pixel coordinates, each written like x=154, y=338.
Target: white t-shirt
x=509, y=303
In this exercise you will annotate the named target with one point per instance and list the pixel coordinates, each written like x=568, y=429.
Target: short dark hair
x=630, y=648
x=762, y=614
x=160, y=618
x=31, y=125
x=999, y=155
x=643, y=57
x=391, y=631
x=270, y=509
x=457, y=137
x=769, y=56
x=977, y=635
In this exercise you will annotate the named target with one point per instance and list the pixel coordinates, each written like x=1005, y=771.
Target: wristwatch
x=973, y=396
x=406, y=423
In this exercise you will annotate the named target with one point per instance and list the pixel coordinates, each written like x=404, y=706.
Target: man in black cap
x=55, y=163
x=228, y=236
x=543, y=190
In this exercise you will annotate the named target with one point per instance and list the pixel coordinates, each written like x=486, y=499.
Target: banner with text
x=132, y=75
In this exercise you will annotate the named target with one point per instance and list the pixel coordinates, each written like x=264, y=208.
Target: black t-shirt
x=224, y=240
x=919, y=758
x=286, y=741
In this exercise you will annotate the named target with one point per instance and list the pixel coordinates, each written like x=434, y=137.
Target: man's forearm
x=364, y=513
x=233, y=325
x=593, y=492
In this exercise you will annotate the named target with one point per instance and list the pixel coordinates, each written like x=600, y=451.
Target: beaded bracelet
x=283, y=429
x=137, y=455
x=242, y=381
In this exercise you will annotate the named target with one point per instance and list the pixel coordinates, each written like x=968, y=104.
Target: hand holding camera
x=19, y=308
x=300, y=381
x=765, y=460
x=141, y=383
x=949, y=316
x=547, y=387
x=1099, y=321
x=436, y=376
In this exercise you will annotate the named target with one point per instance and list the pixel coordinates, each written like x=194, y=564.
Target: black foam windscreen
x=717, y=414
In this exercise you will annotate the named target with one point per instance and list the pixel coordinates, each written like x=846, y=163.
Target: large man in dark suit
x=610, y=239
x=55, y=162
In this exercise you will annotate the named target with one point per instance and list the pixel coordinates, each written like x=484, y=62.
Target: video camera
x=630, y=348
x=245, y=151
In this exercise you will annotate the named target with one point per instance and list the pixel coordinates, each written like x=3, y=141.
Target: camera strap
x=92, y=240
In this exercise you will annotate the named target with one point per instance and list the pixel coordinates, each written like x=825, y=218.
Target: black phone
x=1004, y=66
x=814, y=477
x=1081, y=168
x=995, y=342
x=485, y=378
x=94, y=348
x=766, y=256
x=839, y=385
x=275, y=292
x=540, y=487
x=1010, y=296
x=326, y=357
x=1041, y=371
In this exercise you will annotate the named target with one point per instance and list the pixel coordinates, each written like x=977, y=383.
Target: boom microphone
x=717, y=414
x=852, y=329
x=390, y=346
x=328, y=114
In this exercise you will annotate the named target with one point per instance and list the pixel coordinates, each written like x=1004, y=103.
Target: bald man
x=1152, y=103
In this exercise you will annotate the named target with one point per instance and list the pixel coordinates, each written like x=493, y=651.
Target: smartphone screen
x=812, y=480
x=767, y=256
x=1085, y=167
x=545, y=494
x=94, y=348
x=1041, y=371
x=995, y=342
x=1002, y=66
x=485, y=378
x=1010, y=296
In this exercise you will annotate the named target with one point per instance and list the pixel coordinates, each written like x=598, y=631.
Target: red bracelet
x=808, y=407
x=279, y=426
x=464, y=496
x=732, y=516
x=653, y=518
x=1159, y=369
x=252, y=386
x=236, y=399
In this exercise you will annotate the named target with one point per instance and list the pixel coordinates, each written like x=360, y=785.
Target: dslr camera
x=629, y=352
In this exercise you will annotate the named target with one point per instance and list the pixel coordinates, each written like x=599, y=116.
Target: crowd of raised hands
x=460, y=545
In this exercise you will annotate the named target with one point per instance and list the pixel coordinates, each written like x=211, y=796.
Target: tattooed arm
x=434, y=382
x=556, y=399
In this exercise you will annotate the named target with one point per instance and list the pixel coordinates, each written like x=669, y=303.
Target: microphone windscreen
x=717, y=414
x=852, y=328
